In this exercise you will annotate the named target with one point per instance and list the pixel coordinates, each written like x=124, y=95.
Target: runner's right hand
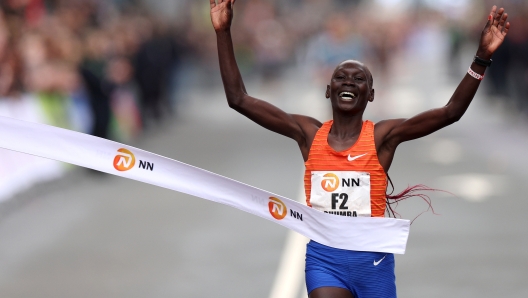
x=222, y=14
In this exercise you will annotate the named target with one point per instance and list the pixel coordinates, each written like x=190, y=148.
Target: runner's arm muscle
x=396, y=131
x=261, y=112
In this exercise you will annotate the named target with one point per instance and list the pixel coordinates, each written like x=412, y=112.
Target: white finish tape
x=352, y=233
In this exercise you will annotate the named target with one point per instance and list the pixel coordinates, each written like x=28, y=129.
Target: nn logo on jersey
x=330, y=182
x=125, y=160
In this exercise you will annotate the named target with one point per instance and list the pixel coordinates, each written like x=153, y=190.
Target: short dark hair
x=370, y=79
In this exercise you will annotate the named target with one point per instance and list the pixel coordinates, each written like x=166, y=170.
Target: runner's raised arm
x=297, y=127
x=390, y=133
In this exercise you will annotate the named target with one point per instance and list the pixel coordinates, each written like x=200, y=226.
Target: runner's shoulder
x=382, y=129
x=308, y=125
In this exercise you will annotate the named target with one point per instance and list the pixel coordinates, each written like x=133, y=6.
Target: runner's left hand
x=494, y=33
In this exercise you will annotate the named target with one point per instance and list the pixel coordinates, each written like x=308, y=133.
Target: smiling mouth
x=347, y=96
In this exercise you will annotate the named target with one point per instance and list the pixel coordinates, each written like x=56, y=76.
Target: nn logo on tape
x=125, y=160
x=279, y=210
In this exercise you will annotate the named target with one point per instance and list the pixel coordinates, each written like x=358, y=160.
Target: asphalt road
x=94, y=235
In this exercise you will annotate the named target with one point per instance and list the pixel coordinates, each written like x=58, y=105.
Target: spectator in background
x=75, y=58
x=337, y=43
x=124, y=98
x=153, y=64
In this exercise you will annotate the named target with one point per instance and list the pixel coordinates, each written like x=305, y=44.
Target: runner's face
x=349, y=89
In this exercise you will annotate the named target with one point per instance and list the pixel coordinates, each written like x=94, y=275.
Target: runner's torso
x=350, y=182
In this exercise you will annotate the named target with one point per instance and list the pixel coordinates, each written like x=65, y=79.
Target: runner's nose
x=349, y=81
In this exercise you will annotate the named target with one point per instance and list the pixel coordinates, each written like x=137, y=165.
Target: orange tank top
x=361, y=157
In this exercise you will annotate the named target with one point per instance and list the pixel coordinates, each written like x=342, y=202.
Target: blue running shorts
x=365, y=274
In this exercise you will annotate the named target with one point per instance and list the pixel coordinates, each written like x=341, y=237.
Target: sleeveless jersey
x=339, y=178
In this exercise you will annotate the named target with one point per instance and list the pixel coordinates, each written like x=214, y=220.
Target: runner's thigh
x=331, y=292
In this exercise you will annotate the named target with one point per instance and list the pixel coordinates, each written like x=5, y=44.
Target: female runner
x=348, y=148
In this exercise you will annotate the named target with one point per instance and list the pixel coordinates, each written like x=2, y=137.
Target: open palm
x=222, y=14
x=495, y=31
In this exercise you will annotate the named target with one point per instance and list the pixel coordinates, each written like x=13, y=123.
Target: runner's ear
x=371, y=99
x=327, y=91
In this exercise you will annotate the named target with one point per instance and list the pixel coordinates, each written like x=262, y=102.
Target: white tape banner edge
x=352, y=233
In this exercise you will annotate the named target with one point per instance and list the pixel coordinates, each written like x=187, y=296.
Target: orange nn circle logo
x=124, y=160
x=330, y=182
x=277, y=208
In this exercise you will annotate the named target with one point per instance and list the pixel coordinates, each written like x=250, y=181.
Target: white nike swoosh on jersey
x=376, y=263
x=350, y=158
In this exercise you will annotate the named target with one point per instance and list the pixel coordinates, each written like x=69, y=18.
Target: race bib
x=345, y=193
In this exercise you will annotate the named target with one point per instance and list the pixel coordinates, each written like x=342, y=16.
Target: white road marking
x=289, y=277
x=290, y=274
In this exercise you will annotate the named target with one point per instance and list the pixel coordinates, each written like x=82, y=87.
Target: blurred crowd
x=315, y=35
x=113, y=68
x=100, y=67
